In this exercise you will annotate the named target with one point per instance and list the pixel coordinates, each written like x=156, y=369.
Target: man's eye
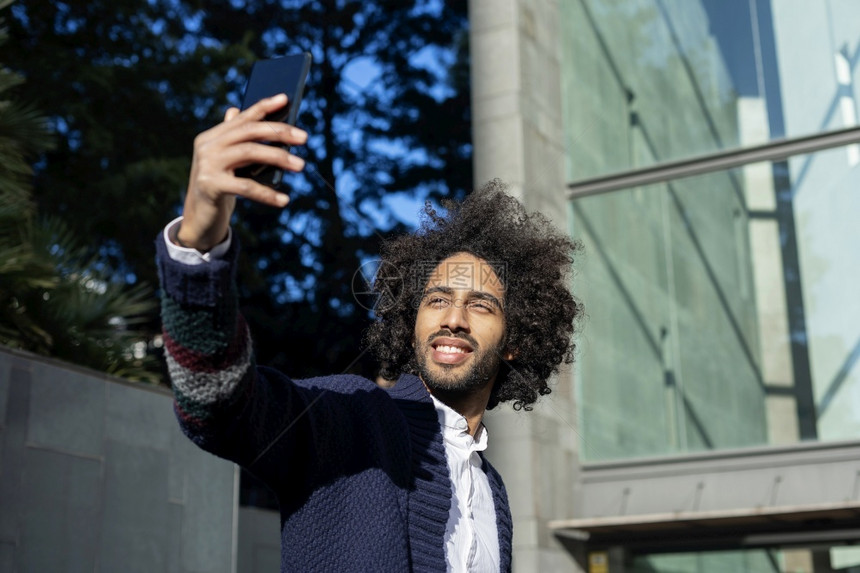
x=482, y=306
x=436, y=301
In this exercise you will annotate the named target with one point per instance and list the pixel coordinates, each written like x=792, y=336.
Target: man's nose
x=456, y=317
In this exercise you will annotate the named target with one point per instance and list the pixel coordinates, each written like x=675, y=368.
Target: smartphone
x=271, y=77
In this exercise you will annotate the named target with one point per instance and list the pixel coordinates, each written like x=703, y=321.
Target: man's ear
x=510, y=354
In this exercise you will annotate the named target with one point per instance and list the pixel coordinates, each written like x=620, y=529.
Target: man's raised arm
x=208, y=347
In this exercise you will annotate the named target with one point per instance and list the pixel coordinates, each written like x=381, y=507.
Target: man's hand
x=213, y=185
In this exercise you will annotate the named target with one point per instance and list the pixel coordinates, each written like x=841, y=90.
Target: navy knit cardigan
x=360, y=472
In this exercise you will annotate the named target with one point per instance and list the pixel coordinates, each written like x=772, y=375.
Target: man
x=473, y=310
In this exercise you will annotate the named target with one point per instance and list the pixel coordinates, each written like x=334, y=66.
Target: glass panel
x=648, y=81
x=723, y=310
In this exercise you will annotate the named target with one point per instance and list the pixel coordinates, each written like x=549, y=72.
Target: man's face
x=460, y=327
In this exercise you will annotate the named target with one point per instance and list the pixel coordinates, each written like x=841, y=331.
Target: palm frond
x=53, y=298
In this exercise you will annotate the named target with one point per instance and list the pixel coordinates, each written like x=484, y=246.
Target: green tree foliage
x=401, y=128
x=126, y=86
x=128, y=83
x=52, y=302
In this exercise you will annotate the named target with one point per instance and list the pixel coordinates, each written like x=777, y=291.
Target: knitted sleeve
x=207, y=344
x=285, y=431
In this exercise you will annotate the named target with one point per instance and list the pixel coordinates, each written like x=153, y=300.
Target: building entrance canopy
x=806, y=494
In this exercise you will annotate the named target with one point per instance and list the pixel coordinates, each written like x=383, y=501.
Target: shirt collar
x=455, y=426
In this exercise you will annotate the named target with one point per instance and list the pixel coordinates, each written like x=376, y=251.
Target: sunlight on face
x=460, y=327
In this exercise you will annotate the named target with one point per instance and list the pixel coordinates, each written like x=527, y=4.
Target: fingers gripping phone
x=271, y=77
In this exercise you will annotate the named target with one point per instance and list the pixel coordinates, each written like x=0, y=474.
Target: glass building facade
x=723, y=308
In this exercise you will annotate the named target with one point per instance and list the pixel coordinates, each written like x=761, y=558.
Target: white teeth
x=450, y=349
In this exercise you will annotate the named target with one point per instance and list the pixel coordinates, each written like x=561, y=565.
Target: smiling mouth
x=450, y=350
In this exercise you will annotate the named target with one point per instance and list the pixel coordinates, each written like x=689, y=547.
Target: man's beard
x=457, y=378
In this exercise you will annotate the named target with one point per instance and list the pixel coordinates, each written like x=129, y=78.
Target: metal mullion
x=722, y=160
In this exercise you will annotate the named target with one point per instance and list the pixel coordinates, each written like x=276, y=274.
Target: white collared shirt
x=471, y=535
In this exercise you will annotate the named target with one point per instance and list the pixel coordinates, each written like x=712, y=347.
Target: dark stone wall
x=96, y=476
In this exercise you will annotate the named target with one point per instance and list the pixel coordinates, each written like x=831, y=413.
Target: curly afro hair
x=532, y=259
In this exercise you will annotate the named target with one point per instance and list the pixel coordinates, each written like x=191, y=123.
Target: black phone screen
x=271, y=77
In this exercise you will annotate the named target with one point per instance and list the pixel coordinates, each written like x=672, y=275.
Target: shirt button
x=462, y=424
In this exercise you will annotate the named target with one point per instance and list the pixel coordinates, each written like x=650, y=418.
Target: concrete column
x=516, y=100
x=518, y=137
